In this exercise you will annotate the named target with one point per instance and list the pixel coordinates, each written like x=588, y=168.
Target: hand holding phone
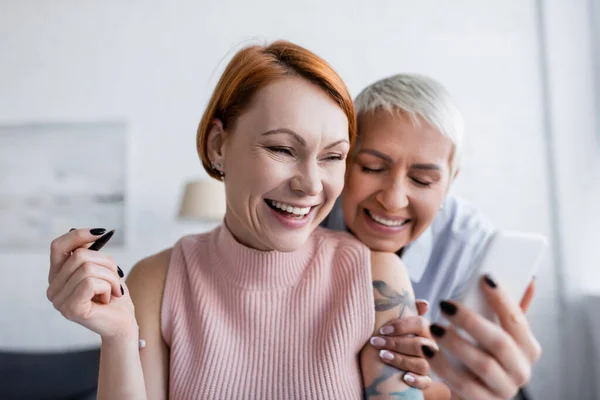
x=512, y=259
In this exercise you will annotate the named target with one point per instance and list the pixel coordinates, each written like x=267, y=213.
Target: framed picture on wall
x=54, y=177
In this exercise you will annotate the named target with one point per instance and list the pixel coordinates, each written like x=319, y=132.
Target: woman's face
x=397, y=180
x=284, y=164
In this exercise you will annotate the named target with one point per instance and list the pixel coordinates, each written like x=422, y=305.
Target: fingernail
x=98, y=244
x=421, y=301
x=432, y=345
x=429, y=353
x=409, y=378
x=448, y=308
x=377, y=341
x=72, y=229
x=490, y=282
x=120, y=272
x=122, y=291
x=386, y=355
x=141, y=343
x=97, y=231
x=437, y=330
x=386, y=330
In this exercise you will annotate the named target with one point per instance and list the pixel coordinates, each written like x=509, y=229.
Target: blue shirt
x=442, y=261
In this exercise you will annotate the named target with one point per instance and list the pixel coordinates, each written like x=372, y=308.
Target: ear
x=216, y=143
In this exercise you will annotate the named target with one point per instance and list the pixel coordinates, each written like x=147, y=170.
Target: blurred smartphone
x=512, y=259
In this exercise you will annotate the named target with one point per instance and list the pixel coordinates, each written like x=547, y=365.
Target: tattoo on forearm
x=387, y=373
x=371, y=392
x=391, y=298
x=387, y=298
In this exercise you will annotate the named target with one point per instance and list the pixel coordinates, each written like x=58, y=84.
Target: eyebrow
x=377, y=154
x=429, y=167
x=299, y=138
x=385, y=157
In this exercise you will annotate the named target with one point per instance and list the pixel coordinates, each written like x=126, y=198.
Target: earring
x=217, y=168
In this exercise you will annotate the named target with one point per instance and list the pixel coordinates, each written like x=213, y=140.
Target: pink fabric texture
x=249, y=324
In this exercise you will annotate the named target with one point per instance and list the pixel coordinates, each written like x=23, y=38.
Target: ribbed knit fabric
x=248, y=324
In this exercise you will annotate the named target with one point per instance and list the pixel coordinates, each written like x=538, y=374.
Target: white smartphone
x=511, y=259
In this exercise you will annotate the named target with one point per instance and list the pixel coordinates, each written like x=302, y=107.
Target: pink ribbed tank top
x=248, y=324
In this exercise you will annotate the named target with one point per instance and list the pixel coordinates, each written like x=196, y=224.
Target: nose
x=307, y=179
x=393, y=196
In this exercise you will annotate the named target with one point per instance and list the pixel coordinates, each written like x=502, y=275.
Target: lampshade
x=203, y=200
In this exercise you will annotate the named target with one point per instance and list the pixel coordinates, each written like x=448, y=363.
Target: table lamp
x=203, y=200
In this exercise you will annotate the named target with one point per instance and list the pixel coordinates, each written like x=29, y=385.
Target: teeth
x=386, y=222
x=300, y=211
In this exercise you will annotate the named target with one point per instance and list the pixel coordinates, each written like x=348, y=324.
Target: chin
x=386, y=246
x=383, y=247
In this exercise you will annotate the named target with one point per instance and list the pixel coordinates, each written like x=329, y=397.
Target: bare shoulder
x=386, y=265
x=147, y=277
x=390, y=276
x=382, y=259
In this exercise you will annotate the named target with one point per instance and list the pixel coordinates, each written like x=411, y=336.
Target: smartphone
x=511, y=259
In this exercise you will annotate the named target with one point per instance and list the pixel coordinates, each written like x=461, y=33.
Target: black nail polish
x=98, y=244
x=448, y=308
x=437, y=330
x=72, y=229
x=428, y=351
x=97, y=231
x=490, y=282
x=120, y=272
x=122, y=291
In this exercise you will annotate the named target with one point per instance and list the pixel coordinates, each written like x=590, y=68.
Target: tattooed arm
x=394, y=298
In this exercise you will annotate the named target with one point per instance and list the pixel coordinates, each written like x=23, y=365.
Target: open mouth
x=288, y=210
x=391, y=223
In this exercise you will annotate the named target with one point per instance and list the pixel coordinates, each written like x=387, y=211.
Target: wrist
x=127, y=335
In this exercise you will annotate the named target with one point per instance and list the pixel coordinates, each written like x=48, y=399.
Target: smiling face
x=397, y=181
x=284, y=164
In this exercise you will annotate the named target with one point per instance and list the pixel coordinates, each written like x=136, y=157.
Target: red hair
x=253, y=68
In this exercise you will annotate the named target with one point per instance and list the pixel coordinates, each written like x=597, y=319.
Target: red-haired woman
x=268, y=305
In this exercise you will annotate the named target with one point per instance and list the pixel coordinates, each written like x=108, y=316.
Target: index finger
x=62, y=246
x=411, y=325
x=511, y=318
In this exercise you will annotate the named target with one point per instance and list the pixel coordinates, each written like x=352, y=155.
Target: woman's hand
x=404, y=340
x=500, y=360
x=85, y=286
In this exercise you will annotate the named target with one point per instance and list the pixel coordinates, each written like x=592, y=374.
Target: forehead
x=299, y=105
x=396, y=132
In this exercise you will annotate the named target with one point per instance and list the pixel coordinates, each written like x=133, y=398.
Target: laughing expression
x=397, y=181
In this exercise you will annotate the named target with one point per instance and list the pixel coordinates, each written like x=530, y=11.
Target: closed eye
x=334, y=157
x=370, y=170
x=421, y=183
x=282, y=150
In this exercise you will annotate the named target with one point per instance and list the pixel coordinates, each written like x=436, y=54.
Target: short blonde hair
x=417, y=95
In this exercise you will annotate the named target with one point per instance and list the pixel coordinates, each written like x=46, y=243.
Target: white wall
x=153, y=64
x=572, y=114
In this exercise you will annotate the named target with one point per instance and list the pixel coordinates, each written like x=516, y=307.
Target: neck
x=242, y=235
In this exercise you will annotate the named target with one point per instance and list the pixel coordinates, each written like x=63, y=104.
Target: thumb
x=422, y=306
x=528, y=296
